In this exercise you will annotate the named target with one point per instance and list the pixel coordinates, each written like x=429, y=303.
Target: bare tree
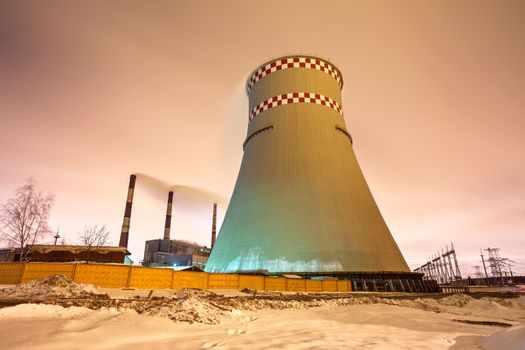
x=23, y=219
x=93, y=237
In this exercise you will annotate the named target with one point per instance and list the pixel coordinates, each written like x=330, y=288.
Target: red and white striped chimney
x=124, y=234
x=214, y=225
x=167, y=225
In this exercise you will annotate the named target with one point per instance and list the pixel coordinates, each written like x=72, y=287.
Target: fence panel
x=274, y=283
x=313, y=286
x=11, y=273
x=119, y=276
x=150, y=278
x=107, y=276
x=35, y=271
x=252, y=282
x=295, y=285
x=186, y=279
x=343, y=286
x=223, y=281
x=329, y=286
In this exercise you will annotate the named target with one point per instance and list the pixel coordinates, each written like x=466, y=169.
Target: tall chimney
x=167, y=225
x=214, y=225
x=124, y=234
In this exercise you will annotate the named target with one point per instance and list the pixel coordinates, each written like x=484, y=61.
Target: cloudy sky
x=434, y=96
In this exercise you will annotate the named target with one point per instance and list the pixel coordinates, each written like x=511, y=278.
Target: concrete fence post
x=129, y=276
x=74, y=273
x=172, y=278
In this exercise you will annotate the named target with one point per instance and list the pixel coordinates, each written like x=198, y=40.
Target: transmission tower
x=442, y=267
x=500, y=268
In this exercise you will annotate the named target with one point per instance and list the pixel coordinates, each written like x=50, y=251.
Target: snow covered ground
x=276, y=322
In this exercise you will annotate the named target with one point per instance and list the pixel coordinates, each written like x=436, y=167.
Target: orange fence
x=127, y=276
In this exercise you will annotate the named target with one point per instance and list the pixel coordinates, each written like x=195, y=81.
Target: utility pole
x=484, y=266
x=439, y=274
x=445, y=267
x=495, y=263
x=57, y=236
x=458, y=272
x=508, y=263
x=452, y=272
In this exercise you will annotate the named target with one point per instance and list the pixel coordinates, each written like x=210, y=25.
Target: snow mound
x=54, y=286
x=187, y=305
x=511, y=339
x=38, y=310
x=202, y=306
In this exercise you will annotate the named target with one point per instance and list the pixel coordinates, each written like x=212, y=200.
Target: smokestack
x=167, y=225
x=124, y=234
x=214, y=225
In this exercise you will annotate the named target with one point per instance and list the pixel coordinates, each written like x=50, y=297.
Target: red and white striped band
x=295, y=97
x=294, y=62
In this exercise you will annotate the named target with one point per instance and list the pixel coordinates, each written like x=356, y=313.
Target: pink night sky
x=434, y=96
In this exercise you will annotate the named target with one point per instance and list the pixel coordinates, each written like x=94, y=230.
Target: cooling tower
x=301, y=202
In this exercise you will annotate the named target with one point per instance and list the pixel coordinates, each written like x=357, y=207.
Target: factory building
x=67, y=253
x=167, y=252
x=175, y=253
x=301, y=204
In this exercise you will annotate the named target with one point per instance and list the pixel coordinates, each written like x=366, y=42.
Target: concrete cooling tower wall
x=301, y=202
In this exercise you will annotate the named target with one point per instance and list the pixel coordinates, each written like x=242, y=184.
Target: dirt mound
x=204, y=306
x=193, y=305
x=54, y=286
x=201, y=306
x=458, y=300
x=186, y=305
x=53, y=281
x=426, y=304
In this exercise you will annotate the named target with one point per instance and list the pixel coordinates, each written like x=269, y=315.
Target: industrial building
x=175, y=253
x=167, y=252
x=301, y=204
x=67, y=253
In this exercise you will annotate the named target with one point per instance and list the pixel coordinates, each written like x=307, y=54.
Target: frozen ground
x=192, y=319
